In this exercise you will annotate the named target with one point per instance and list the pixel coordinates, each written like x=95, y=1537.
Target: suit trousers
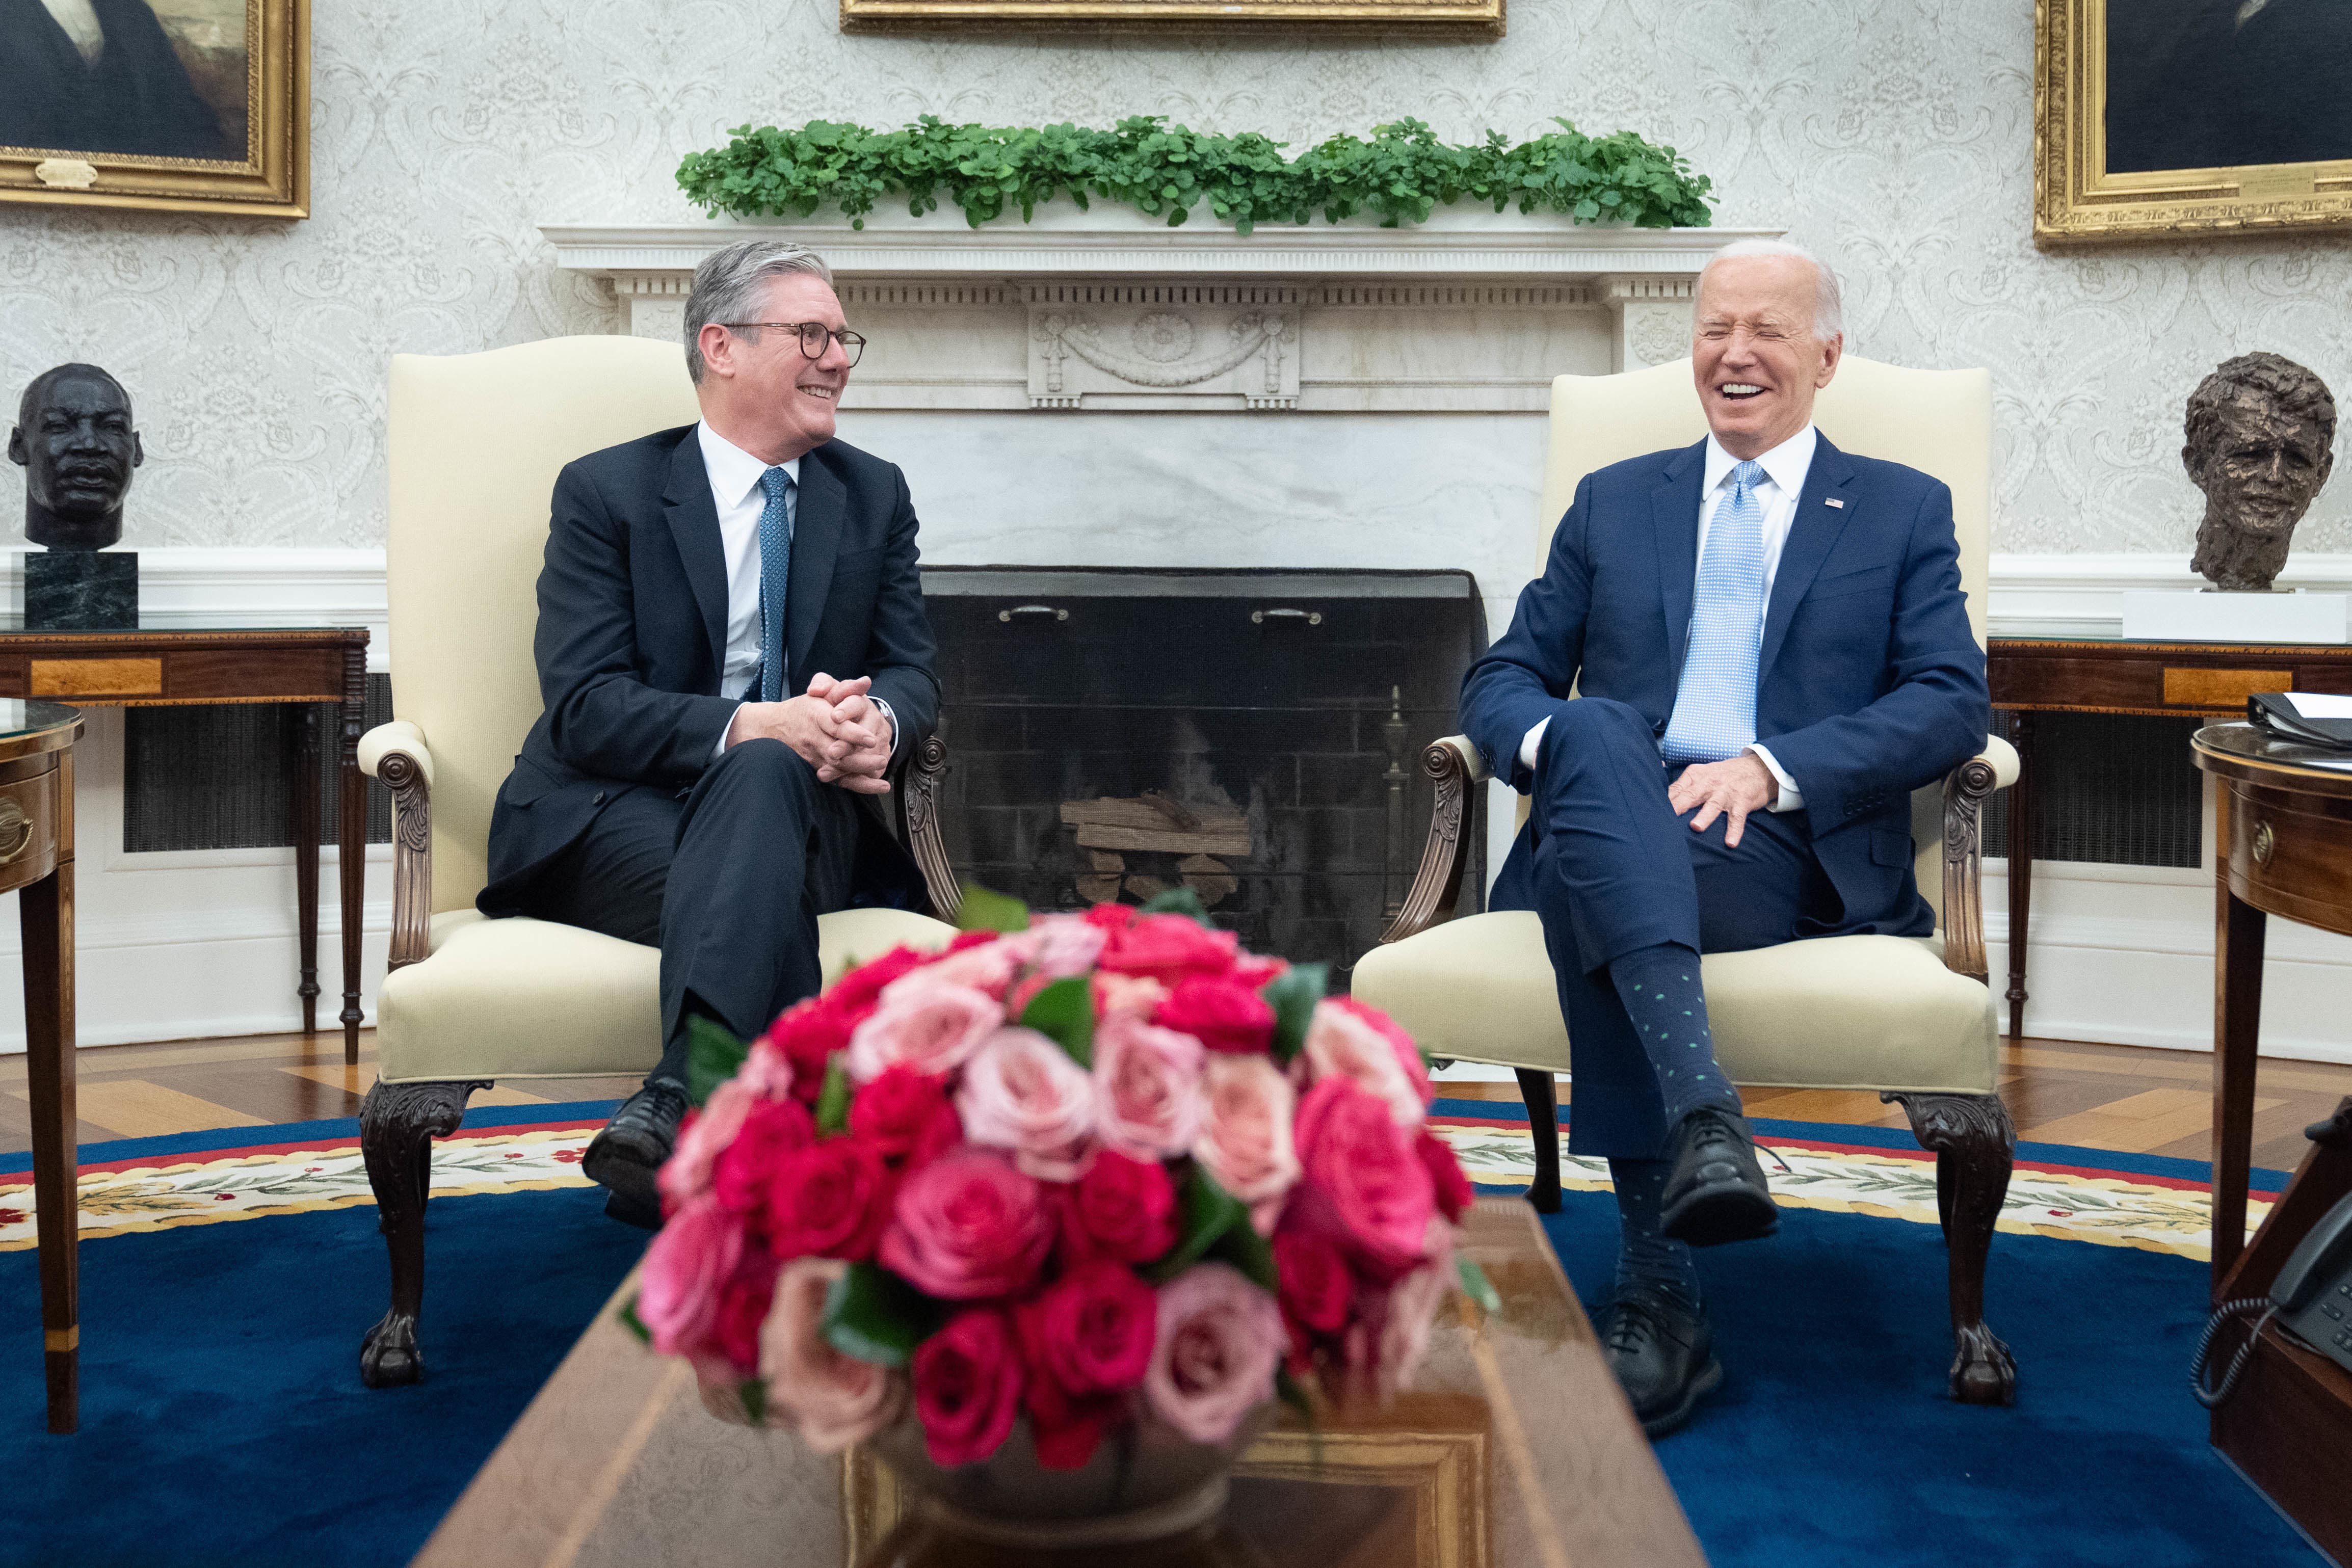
x=1616, y=869
x=727, y=878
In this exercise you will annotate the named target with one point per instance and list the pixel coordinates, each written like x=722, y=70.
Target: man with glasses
x=732, y=651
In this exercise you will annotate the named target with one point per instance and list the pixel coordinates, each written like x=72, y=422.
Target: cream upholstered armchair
x=1912, y=1019
x=475, y=444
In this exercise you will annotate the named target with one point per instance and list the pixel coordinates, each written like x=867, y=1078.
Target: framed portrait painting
x=182, y=105
x=2156, y=118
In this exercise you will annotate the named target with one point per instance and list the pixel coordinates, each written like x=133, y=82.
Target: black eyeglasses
x=813, y=335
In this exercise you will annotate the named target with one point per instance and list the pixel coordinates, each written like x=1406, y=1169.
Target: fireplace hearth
x=1253, y=735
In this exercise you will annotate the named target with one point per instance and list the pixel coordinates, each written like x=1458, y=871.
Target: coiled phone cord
x=2228, y=1312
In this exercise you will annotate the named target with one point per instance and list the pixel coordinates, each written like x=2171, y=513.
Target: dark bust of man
x=2261, y=438
x=73, y=440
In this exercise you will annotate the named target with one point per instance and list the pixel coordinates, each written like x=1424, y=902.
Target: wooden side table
x=183, y=668
x=37, y=840
x=2031, y=675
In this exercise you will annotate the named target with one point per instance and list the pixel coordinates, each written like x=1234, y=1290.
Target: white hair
x=727, y=286
x=1829, y=305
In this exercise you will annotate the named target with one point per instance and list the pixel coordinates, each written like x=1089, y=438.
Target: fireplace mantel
x=1473, y=311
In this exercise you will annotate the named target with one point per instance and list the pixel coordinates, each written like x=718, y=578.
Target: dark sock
x=1646, y=1255
x=1660, y=989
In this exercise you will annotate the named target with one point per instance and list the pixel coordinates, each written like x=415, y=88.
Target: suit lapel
x=694, y=524
x=1812, y=533
x=817, y=519
x=1673, y=511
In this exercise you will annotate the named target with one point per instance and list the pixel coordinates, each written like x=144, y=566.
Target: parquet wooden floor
x=2098, y=1096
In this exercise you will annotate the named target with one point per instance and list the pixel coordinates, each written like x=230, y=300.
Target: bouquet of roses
x=1074, y=1166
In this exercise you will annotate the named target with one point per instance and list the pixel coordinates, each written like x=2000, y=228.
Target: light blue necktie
x=1715, y=709
x=775, y=573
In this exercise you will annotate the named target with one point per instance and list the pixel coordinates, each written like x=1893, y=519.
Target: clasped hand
x=834, y=727
x=1731, y=788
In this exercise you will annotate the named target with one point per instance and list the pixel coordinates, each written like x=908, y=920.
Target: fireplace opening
x=1253, y=735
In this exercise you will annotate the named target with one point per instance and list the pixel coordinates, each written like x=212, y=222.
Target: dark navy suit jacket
x=632, y=639
x=1869, y=683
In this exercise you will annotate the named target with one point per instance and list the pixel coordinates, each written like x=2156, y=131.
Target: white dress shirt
x=734, y=476
x=1785, y=467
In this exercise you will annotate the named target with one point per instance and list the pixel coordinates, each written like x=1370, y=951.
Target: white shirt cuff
x=1533, y=743
x=891, y=719
x=719, y=750
x=1792, y=798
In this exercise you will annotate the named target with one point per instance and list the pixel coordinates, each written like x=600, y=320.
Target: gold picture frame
x=1444, y=19
x=2087, y=192
x=253, y=79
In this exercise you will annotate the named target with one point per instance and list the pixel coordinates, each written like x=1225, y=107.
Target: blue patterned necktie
x=775, y=572
x=1715, y=709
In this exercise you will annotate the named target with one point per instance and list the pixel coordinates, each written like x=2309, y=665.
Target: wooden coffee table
x=1516, y=1448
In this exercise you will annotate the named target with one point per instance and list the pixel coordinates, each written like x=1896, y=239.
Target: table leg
x=2021, y=865
x=45, y=911
x=2237, y=1034
x=302, y=805
x=351, y=841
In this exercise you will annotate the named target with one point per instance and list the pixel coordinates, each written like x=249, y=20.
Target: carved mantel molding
x=1470, y=312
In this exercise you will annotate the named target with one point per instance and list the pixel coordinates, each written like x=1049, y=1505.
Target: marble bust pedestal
x=81, y=590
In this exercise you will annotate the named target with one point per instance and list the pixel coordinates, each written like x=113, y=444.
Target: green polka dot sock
x=1647, y=1257
x=1660, y=989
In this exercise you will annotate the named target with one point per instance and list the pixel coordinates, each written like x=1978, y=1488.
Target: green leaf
x=1293, y=995
x=1476, y=1286
x=872, y=1315
x=833, y=1099
x=1206, y=1211
x=985, y=910
x=753, y=1392
x=1176, y=901
x=634, y=1323
x=713, y=1056
x=1246, y=1250
x=1064, y=1012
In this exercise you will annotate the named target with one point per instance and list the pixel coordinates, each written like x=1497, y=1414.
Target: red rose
x=942, y=1132
x=1110, y=916
x=1220, y=1013
x=854, y=994
x=893, y=1111
x=773, y=1129
x=1316, y=1284
x=1123, y=1209
x=1365, y=1186
x=807, y=1034
x=828, y=1200
x=967, y=1380
x=964, y=939
x=1453, y=1187
x=968, y=1225
x=1251, y=970
x=743, y=1305
x=1067, y=1427
x=1087, y=1339
x=1167, y=947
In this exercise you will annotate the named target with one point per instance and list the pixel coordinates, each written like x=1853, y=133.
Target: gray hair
x=728, y=284
x=1829, y=304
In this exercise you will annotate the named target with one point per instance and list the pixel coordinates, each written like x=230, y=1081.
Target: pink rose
x=967, y=1380
x=986, y=967
x=854, y=994
x=1213, y=1361
x=688, y=1264
x=931, y=1027
x=1348, y=1040
x=1365, y=1186
x=686, y=1175
x=1385, y=1348
x=1058, y=945
x=1244, y=1140
x=968, y=1225
x=1127, y=994
x=1022, y=1092
x=1218, y=1013
x=767, y=1072
x=833, y=1400
x=1167, y=948
x=1446, y=1175
x=1147, y=1099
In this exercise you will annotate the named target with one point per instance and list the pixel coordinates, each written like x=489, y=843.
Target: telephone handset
x=2311, y=1300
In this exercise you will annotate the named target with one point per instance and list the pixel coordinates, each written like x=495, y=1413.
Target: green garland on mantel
x=1401, y=172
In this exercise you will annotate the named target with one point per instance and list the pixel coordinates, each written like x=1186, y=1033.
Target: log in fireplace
x=1253, y=735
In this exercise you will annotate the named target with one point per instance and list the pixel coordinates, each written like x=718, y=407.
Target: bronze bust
x=2259, y=441
x=75, y=442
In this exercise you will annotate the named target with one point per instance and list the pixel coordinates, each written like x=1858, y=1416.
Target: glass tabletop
x=18, y=718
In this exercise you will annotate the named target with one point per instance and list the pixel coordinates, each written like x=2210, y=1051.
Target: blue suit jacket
x=1869, y=683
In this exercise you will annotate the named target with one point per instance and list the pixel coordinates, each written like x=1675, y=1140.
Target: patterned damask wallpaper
x=1892, y=135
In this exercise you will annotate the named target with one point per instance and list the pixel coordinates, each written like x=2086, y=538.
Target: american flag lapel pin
x=1834, y=501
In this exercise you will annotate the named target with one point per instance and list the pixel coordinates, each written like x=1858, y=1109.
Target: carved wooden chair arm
x=1966, y=789
x=1454, y=823
x=919, y=823
x=396, y=753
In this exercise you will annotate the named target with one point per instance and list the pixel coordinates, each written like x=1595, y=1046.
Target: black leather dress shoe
x=1663, y=1353
x=1716, y=1192
x=624, y=1157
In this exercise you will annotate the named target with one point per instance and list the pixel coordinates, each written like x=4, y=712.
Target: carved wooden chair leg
x=1974, y=1145
x=1543, y=1125
x=398, y=1122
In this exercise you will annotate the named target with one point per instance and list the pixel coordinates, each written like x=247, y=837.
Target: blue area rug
x=222, y=1420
